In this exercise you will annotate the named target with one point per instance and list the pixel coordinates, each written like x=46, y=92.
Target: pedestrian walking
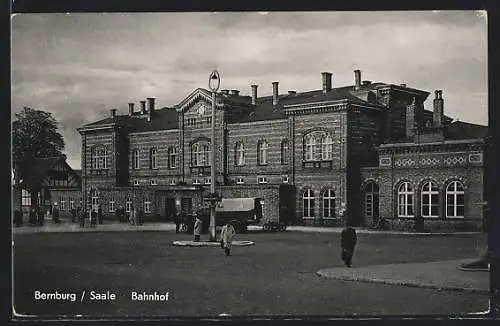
x=133, y=216
x=197, y=228
x=81, y=217
x=32, y=216
x=177, y=220
x=18, y=218
x=226, y=237
x=55, y=216
x=140, y=217
x=40, y=216
x=348, y=241
x=99, y=215
x=93, y=219
x=73, y=215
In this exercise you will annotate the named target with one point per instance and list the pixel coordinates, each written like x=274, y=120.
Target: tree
x=35, y=135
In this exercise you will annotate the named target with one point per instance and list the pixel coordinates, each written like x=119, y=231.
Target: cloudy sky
x=78, y=66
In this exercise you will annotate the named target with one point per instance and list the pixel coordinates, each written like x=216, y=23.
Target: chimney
x=357, y=79
x=151, y=107
x=254, y=94
x=235, y=92
x=275, y=93
x=438, y=113
x=143, y=107
x=113, y=113
x=327, y=81
x=403, y=85
x=366, y=82
x=292, y=92
x=410, y=119
x=130, y=109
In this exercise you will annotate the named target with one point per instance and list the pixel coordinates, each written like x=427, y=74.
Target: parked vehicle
x=273, y=226
x=240, y=212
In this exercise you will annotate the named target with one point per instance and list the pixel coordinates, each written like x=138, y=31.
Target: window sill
x=454, y=217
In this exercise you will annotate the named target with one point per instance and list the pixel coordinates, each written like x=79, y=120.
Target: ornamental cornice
x=316, y=107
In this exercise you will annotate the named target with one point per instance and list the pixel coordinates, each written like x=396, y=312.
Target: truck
x=240, y=212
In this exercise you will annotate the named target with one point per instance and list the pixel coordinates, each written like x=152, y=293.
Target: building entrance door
x=170, y=209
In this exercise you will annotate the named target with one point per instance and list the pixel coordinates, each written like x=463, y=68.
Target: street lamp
x=213, y=84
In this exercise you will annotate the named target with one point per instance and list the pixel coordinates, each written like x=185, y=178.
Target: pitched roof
x=465, y=130
x=33, y=173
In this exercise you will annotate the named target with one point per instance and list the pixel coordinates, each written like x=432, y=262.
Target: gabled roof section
x=33, y=172
x=193, y=97
x=465, y=130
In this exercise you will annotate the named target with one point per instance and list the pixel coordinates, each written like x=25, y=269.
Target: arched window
x=371, y=200
x=309, y=148
x=308, y=200
x=430, y=199
x=284, y=151
x=405, y=200
x=200, y=154
x=135, y=159
x=152, y=158
x=329, y=204
x=326, y=148
x=455, y=200
x=172, y=157
x=100, y=158
x=239, y=154
x=262, y=152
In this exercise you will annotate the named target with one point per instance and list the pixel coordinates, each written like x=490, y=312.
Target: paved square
x=276, y=276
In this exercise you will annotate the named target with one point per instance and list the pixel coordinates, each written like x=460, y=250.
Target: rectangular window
x=136, y=182
x=153, y=183
x=26, y=198
x=172, y=182
x=112, y=205
x=285, y=179
x=147, y=205
x=128, y=205
x=208, y=181
x=262, y=180
x=240, y=181
x=196, y=181
x=63, y=203
x=71, y=203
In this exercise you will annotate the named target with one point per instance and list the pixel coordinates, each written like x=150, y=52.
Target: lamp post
x=213, y=84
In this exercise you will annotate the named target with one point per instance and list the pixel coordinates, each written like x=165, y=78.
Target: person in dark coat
x=73, y=215
x=178, y=221
x=55, y=215
x=81, y=217
x=32, y=216
x=18, y=218
x=348, y=241
x=93, y=219
x=99, y=215
x=41, y=216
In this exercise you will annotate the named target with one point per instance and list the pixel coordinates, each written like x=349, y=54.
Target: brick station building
x=370, y=148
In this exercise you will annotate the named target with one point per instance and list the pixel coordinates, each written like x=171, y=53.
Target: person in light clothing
x=226, y=237
x=197, y=228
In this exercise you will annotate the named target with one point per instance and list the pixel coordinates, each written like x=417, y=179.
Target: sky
x=78, y=66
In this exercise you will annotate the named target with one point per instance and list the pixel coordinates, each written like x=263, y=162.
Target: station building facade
x=369, y=149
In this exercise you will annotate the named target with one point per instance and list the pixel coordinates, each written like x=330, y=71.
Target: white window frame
x=153, y=182
x=25, y=198
x=240, y=154
x=100, y=158
x=200, y=153
x=153, y=152
x=112, y=205
x=172, y=157
x=262, y=152
x=136, y=163
x=240, y=181
x=406, y=200
x=71, y=203
x=309, y=198
x=128, y=205
x=136, y=182
x=310, y=147
x=196, y=181
x=327, y=147
x=285, y=179
x=284, y=151
x=370, y=199
x=62, y=201
x=427, y=191
x=208, y=181
x=455, y=193
x=172, y=182
x=262, y=180
x=329, y=199
x=147, y=205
